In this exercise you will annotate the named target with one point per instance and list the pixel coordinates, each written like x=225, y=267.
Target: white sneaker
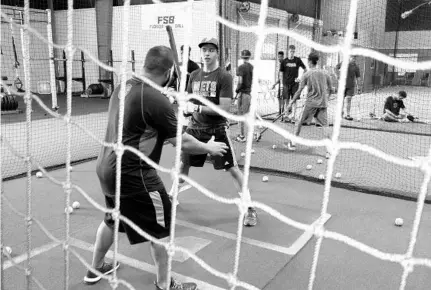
x=290, y=146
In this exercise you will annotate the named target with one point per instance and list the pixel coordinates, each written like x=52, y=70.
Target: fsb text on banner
x=158, y=16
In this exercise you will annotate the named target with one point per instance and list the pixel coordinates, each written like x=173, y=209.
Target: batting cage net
x=61, y=61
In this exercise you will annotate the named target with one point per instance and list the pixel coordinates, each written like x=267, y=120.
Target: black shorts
x=349, y=92
x=226, y=162
x=150, y=211
x=289, y=91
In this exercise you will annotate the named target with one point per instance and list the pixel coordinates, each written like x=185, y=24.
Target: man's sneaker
x=328, y=155
x=348, y=118
x=250, y=219
x=175, y=285
x=240, y=138
x=106, y=269
x=290, y=146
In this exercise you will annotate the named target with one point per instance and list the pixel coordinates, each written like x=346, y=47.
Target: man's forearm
x=192, y=146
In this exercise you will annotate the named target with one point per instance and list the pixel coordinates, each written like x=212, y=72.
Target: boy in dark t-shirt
x=280, y=58
x=393, y=107
x=243, y=90
x=353, y=81
x=214, y=84
x=289, y=72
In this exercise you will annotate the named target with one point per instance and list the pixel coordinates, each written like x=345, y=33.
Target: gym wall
x=140, y=40
x=39, y=63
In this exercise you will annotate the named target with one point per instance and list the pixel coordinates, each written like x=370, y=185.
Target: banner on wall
x=158, y=16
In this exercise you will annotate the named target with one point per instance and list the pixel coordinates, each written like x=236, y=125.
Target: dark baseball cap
x=209, y=40
x=245, y=53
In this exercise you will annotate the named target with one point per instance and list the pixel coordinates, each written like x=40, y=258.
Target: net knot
x=174, y=174
x=425, y=165
x=70, y=49
x=27, y=99
x=113, y=281
x=67, y=186
x=67, y=119
x=183, y=97
x=29, y=220
x=65, y=246
x=115, y=214
x=318, y=230
x=243, y=206
x=232, y=280
x=170, y=249
x=119, y=149
x=407, y=264
x=332, y=146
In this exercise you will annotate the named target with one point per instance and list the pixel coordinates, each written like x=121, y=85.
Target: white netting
x=334, y=146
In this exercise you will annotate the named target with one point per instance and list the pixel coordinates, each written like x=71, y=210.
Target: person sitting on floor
x=394, y=109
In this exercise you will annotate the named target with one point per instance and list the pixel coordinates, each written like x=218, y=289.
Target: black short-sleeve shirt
x=353, y=72
x=246, y=72
x=290, y=69
x=149, y=120
x=213, y=86
x=393, y=105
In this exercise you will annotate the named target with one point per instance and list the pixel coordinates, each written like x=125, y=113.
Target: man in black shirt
x=289, y=71
x=243, y=90
x=149, y=121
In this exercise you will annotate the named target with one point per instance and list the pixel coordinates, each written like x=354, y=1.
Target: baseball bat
x=174, y=50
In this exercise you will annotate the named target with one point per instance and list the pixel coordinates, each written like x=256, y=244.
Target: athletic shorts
x=244, y=103
x=320, y=114
x=349, y=92
x=289, y=91
x=150, y=211
x=226, y=161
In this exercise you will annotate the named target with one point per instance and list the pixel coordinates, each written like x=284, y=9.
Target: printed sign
x=158, y=16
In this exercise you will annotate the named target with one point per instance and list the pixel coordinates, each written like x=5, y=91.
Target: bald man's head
x=159, y=59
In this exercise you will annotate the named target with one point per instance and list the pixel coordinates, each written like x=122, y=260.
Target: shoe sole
x=91, y=281
x=250, y=225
